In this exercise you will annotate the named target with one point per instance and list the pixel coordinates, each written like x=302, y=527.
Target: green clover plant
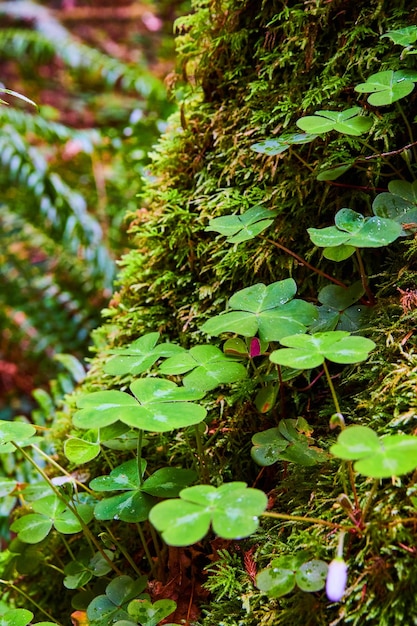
x=288, y=571
x=232, y=509
x=140, y=355
x=21, y=617
x=376, y=457
x=269, y=311
x=156, y=405
x=348, y=122
x=388, y=86
x=206, y=367
x=273, y=147
x=239, y=228
x=290, y=441
x=353, y=230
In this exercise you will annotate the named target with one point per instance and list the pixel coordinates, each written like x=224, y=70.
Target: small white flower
x=336, y=580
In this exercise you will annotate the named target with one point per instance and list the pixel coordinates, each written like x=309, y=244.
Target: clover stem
x=87, y=533
x=123, y=551
x=205, y=475
x=364, y=278
x=155, y=541
x=139, y=456
x=307, y=520
x=304, y=262
x=410, y=134
x=68, y=547
x=369, y=499
x=29, y=599
x=61, y=469
x=145, y=547
x=332, y=389
x=353, y=485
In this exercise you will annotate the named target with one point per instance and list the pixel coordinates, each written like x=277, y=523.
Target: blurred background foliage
x=70, y=169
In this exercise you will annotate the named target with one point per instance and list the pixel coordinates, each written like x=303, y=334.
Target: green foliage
x=268, y=310
x=377, y=457
x=348, y=122
x=287, y=571
x=290, y=441
x=233, y=510
x=307, y=351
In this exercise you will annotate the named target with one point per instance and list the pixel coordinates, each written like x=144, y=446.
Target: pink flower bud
x=336, y=580
x=255, y=347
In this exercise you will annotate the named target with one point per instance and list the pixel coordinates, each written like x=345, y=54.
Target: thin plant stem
x=88, y=534
x=304, y=262
x=337, y=407
x=139, y=456
x=123, y=551
x=410, y=134
x=369, y=499
x=364, y=278
x=29, y=599
x=61, y=469
x=307, y=520
x=331, y=387
x=145, y=547
x=155, y=541
x=201, y=456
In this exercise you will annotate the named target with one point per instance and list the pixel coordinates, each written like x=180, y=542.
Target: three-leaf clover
x=272, y=147
x=288, y=442
x=140, y=355
x=338, y=310
x=353, y=230
x=156, y=405
x=308, y=351
x=348, y=122
x=209, y=367
x=269, y=311
x=137, y=499
x=239, y=228
x=377, y=457
x=287, y=571
x=232, y=509
x=51, y=511
x=388, y=86
x=112, y=606
x=398, y=204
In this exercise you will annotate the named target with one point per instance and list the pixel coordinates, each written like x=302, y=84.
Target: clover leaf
x=338, y=310
x=18, y=432
x=209, y=367
x=50, y=511
x=112, y=606
x=140, y=355
x=308, y=351
x=376, y=457
x=388, y=86
x=20, y=617
x=348, y=122
x=239, y=228
x=399, y=204
x=287, y=571
x=272, y=147
x=80, y=571
x=156, y=405
x=287, y=442
x=134, y=504
x=402, y=36
x=147, y=613
x=269, y=311
x=232, y=509
x=353, y=230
